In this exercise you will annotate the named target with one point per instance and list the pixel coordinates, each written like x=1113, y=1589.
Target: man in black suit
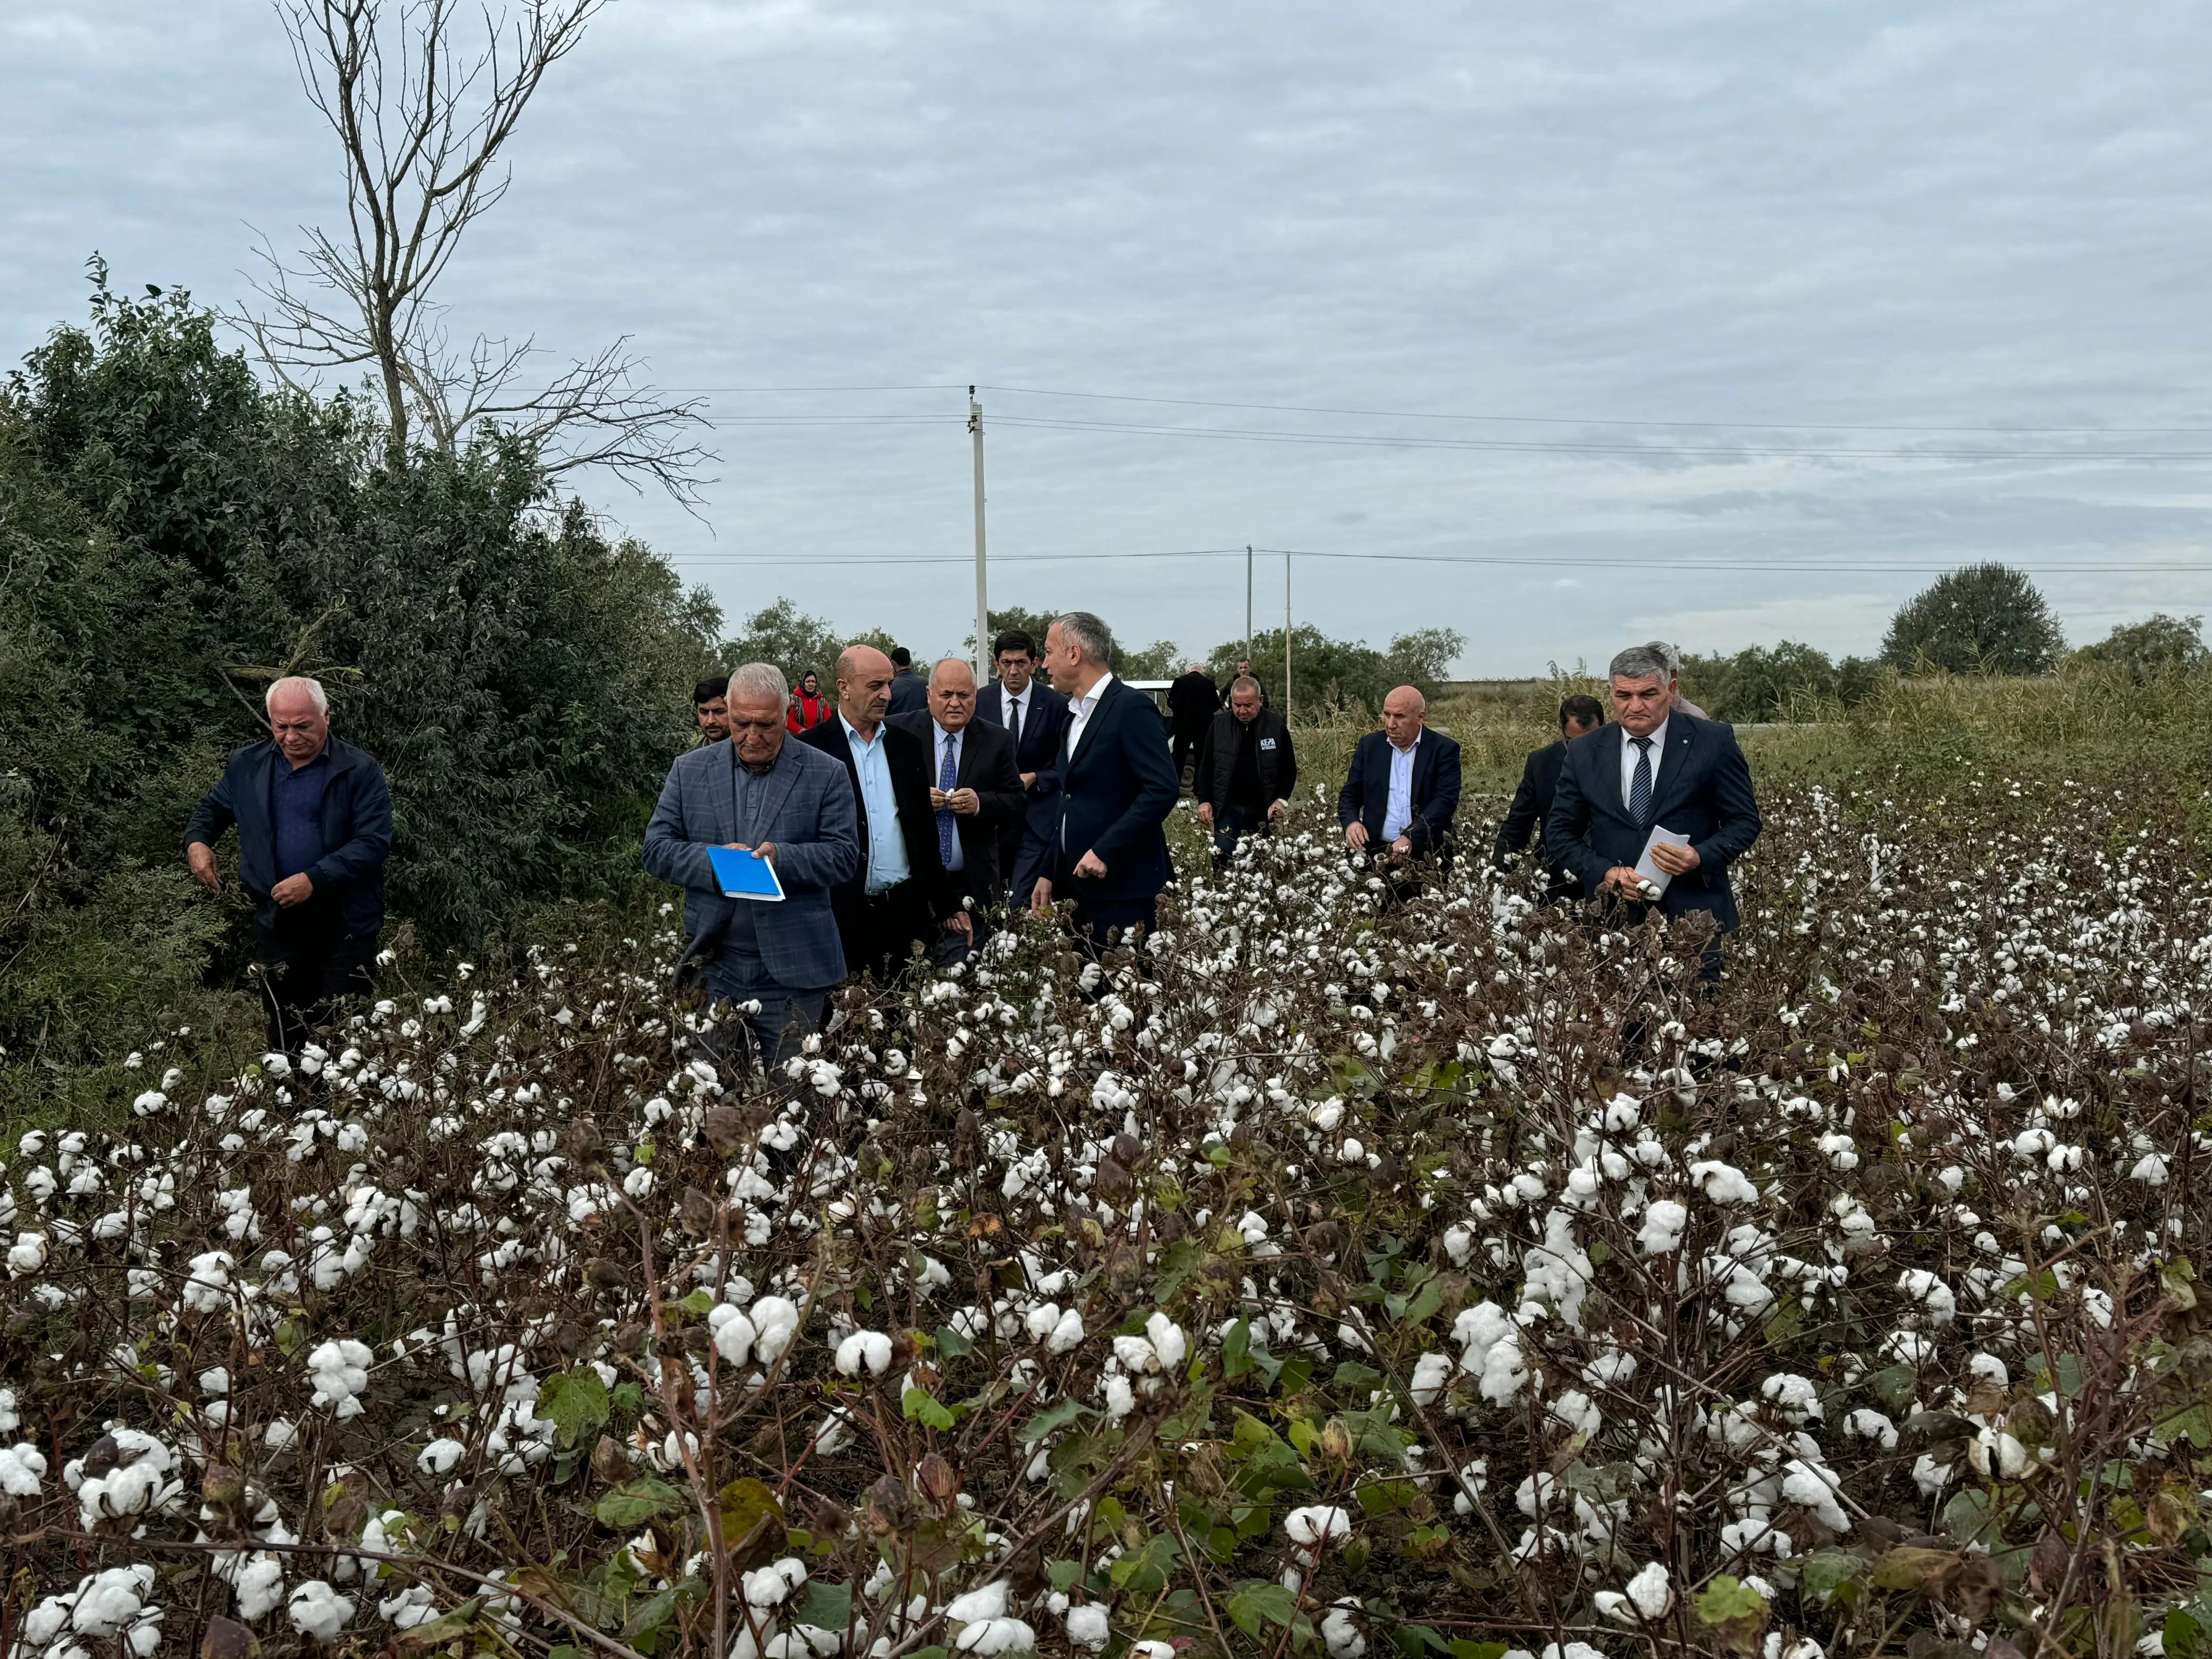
x=901, y=896
x=1035, y=717
x=1403, y=788
x=1655, y=767
x=1539, y=777
x=1192, y=702
x=909, y=695
x=973, y=783
x=1112, y=786
x=1247, y=770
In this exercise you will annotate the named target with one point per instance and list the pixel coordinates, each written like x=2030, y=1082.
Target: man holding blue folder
x=778, y=803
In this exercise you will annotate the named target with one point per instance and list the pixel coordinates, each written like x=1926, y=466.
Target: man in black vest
x=1247, y=770
x=1532, y=801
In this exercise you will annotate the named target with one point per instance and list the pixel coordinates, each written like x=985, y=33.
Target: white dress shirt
x=1628, y=758
x=948, y=741
x=1080, y=710
x=1400, y=813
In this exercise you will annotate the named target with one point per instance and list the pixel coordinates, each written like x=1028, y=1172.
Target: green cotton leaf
x=699, y=1304
x=1971, y=1518
x=1261, y=1602
x=827, y=1606
x=1824, y=1572
x=1894, y=1385
x=1463, y=1648
x=1050, y=1421
x=1064, y=1575
x=1237, y=1350
x=2184, y=1635
x=575, y=1403
x=1908, y=1567
x=1354, y=1375
x=1727, y=1600
x=952, y=1345
x=920, y=1405
x=636, y=1502
x=1425, y=1302
x=652, y=1614
x=436, y=1632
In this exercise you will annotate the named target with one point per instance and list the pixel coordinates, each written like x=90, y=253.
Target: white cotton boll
x=1814, y=1489
x=1066, y=1333
x=1988, y=1368
x=1793, y=1396
x=1040, y=1320
x=1321, y=1524
x=1340, y=1632
x=27, y=1255
x=1929, y=1476
x=1923, y=1286
x=1136, y=1355
x=871, y=1350
x=317, y=1611
x=1167, y=1339
x=1663, y=1221
x=1431, y=1374
x=439, y=1457
x=1993, y=1452
x=1120, y=1399
x=764, y=1587
x=1574, y=1412
x=994, y=1636
x=259, y=1586
x=22, y=1470
x=2150, y=1169
x=733, y=1331
x=1649, y=1593
x=1459, y=1244
x=1724, y=1183
x=1159, y=1649
x=1088, y=1626
x=777, y=1321
x=638, y=1183
x=1869, y=1424
x=106, y=1601
x=987, y=1602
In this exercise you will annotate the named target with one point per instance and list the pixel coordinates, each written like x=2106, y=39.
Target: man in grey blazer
x=781, y=801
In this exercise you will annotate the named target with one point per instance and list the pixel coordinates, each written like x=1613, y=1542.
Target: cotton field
x=1457, y=1277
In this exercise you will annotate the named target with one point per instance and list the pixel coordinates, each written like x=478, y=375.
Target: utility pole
x=1286, y=639
x=1248, y=601
x=982, y=588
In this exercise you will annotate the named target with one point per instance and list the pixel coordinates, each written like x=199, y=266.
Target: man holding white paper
x=1655, y=807
x=756, y=794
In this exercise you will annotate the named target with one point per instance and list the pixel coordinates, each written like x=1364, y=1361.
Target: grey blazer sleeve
x=669, y=852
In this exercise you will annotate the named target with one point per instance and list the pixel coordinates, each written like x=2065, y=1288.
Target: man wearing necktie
x=1035, y=716
x=974, y=790
x=1657, y=767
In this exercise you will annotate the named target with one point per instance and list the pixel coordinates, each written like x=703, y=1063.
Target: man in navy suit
x=1532, y=801
x=1655, y=767
x=1035, y=717
x=973, y=784
x=1403, y=788
x=1113, y=787
x=755, y=792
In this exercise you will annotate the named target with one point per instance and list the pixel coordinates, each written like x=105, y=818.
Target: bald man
x=902, y=897
x=1403, y=788
x=974, y=787
x=313, y=815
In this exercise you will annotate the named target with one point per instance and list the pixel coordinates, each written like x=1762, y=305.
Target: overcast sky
x=1753, y=287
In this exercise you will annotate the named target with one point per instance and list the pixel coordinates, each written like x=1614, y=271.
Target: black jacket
x=1524, y=818
x=1366, y=792
x=1042, y=735
x=355, y=823
x=909, y=693
x=1192, y=700
x=907, y=758
x=1703, y=791
x=1275, y=759
x=1111, y=798
x=987, y=766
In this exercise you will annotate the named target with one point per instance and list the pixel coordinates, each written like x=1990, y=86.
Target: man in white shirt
x=1035, y=716
x=1402, y=790
x=975, y=791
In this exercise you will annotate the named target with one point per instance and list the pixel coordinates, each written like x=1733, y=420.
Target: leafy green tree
x=1326, y=671
x=2158, y=644
x=173, y=534
x=1162, y=660
x=1979, y=619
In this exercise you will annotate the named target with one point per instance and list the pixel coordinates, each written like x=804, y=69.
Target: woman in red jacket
x=808, y=706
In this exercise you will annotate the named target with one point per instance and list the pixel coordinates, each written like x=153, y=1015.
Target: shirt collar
x=1657, y=734
x=852, y=735
x=1090, y=699
x=1411, y=748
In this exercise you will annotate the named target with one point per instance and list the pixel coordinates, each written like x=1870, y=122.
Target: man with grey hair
x=1247, y=770
x=754, y=793
x=313, y=816
x=1673, y=658
x=1112, y=786
x=1655, y=768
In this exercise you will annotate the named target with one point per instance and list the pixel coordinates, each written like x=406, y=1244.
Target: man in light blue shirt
x=1399, y=800
x=886, y=850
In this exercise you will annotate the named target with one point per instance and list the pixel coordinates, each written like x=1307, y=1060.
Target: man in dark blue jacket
x=1035, y=717
x=314, y=828
x=1403, y=788
x=1532, y=801
x=1656, y=767
x=1112, y=786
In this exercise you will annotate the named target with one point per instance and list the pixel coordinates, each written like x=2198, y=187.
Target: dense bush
x=1769, y=682
x=2159, y=644
x=172, y=533
x=1456, y=1279
x=1325, y=672
x=1979, y=619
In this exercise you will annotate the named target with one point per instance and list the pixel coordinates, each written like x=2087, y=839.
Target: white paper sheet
x=1661, y=836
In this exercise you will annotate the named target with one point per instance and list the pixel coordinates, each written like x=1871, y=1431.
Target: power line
x=1824, y=566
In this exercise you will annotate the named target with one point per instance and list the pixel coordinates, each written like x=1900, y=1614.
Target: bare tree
x=422, y=105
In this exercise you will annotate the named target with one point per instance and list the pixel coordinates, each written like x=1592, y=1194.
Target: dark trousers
x=1099, y=924
x=786, y=1014
x=1182, y=748
x=1236, y=821
x=1028, y=864
x=880, y=932
x=308, y=960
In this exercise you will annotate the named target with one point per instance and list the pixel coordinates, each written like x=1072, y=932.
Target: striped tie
x=1639, y=786
x=945, y=775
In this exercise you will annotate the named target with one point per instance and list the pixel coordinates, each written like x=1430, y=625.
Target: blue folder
x=741, y=875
